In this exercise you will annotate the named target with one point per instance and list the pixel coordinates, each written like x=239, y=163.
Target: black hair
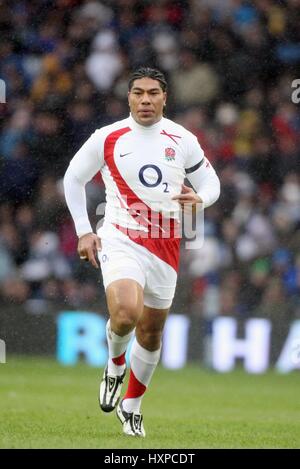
x=147, y=72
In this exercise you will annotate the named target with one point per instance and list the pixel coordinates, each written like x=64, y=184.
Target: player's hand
x=188, y=197
x=88, y=247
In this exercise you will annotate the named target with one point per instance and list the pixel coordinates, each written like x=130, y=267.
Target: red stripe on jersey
x=166, y=249
x=135, y=387
x=120, y=360
x=124, y=189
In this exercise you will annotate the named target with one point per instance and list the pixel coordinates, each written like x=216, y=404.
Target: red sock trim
x=135, y=387
x=120, y=360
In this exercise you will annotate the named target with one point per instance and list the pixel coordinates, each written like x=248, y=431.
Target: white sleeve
x=89, y=159
x=84, y=165
x=201, y=174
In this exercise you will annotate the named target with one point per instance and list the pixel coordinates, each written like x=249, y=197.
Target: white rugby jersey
x=140, y=166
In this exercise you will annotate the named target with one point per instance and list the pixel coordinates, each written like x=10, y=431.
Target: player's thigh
x=123, y=279
x=150, y=327
x=125, y=301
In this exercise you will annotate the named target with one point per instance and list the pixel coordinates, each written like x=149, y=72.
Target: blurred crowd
x=230, y=65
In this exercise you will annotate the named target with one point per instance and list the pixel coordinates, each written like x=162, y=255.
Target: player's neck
x=146, y=128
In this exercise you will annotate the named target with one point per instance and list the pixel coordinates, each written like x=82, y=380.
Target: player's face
x=146, y=101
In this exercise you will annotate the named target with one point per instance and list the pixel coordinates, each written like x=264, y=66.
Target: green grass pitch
x=46, y=405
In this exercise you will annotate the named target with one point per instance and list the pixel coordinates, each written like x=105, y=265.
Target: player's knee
x=126, y=317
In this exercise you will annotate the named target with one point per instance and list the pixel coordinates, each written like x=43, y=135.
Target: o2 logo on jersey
x=154, y=174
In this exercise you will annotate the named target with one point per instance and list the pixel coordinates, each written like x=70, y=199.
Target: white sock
x=142, y=367
x=117, y=346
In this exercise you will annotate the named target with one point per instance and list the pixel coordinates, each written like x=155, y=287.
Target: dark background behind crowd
x=230, y=66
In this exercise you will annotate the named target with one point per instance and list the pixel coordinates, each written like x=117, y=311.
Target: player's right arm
x=82, y=168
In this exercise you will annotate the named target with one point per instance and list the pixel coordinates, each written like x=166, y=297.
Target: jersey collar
x=134, y=125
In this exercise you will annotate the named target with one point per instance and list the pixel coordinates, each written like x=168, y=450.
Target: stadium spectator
x=193, y=83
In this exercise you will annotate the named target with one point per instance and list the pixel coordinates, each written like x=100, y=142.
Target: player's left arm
x=202, y=176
